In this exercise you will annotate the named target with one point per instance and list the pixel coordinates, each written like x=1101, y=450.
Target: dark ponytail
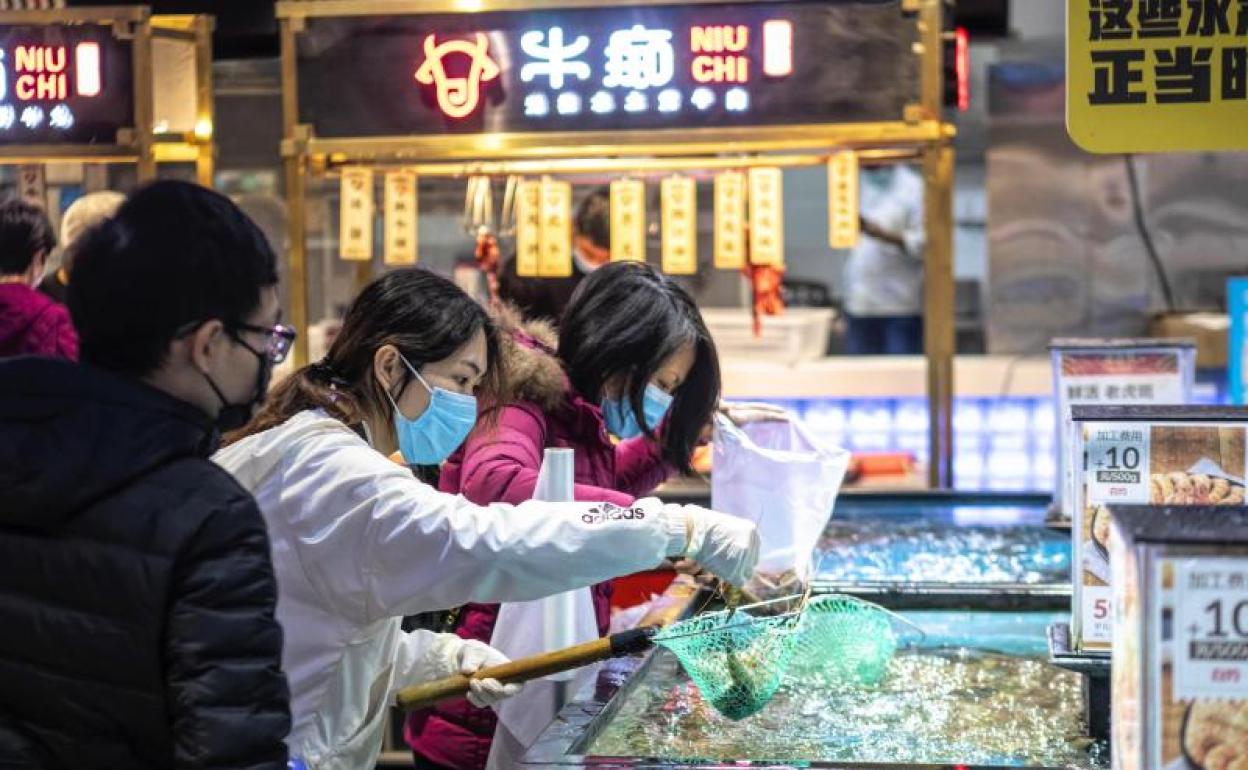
x=425, y=316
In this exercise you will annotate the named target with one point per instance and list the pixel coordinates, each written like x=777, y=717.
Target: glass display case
x=953, y=551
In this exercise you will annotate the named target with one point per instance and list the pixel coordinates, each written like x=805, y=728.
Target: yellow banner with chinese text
x=1157, y=75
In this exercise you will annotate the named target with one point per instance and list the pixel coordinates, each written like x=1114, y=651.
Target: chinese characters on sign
x=528, y=229
x=1152, y=75
x=1211, y=628
x=400, y=218
x=628, y=221
x=766, y=198
x=355, y=217
x=555, y=258
x=730, y=221
x=680, y=225
x=637, y=69
x=843, y=200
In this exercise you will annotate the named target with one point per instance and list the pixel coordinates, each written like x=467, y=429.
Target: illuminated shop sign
x=609, y=68
x=63, y=85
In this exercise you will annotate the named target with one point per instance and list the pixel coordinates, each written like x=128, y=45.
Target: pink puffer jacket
x=500, y=463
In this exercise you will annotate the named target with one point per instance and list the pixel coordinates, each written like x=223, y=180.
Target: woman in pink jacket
x=631, y=343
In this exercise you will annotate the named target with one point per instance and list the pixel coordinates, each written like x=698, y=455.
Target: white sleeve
x=424, y=656
x=376, y=543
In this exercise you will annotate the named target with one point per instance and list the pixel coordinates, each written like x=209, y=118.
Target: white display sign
x=1117, y=463
x=1211, y=628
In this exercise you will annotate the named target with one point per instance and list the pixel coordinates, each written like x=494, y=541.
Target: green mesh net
x=843, y=640
x=738, y=659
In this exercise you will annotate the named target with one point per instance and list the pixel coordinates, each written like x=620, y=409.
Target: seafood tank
x=967, y=551
x=974, y=690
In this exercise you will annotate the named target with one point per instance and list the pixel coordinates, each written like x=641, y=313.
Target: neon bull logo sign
x=456, y=69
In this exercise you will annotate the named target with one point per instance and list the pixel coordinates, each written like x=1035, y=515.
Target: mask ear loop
x=412, y=369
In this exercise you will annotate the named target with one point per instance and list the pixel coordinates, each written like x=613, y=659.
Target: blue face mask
x=439, y=430
x=622, y=421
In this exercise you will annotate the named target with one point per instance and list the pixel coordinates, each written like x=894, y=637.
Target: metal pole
x=939, y=340
x=205, y=161
x=144, y=100
x=293, y=162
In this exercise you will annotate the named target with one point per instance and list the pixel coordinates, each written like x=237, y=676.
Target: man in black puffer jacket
x=137, y=598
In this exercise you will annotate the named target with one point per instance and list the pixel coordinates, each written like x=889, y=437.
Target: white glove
x=473, y=656
x=725, y=545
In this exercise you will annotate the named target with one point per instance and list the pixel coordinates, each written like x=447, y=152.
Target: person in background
x=884, y=272
x=82, y=214
x=139, y=598
x=546, y=298
x=30, y=323
x=631, y=343
x=359, y=542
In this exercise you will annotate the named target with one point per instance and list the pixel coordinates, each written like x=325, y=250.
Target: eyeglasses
x=281, y=339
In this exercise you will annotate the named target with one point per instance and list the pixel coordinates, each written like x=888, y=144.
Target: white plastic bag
x=542, y=625
x=779, y=476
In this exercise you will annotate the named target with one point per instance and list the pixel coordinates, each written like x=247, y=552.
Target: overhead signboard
x=1157, y=75
x=611, y=68
x=64, y=84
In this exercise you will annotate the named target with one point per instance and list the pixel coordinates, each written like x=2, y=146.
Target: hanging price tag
x=528, y=228
x=766, y=217
x=628, y=221
x=1211, y=628
x=680, y=225
x=1118, y=463
x=843, y=200
x=355, y=219
x=400, y=218
x=555, y=257
x=730, y=221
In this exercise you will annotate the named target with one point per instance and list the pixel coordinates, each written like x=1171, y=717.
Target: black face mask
x=234, y=416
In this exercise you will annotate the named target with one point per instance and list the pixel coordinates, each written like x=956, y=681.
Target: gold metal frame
x=919, y=134
x=136, y=144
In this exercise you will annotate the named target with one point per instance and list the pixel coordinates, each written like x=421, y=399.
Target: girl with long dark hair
x=632, y=360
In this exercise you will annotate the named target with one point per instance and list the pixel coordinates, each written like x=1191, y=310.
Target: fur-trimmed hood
x=533, y=372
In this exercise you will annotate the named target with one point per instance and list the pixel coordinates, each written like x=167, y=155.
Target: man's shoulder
x=198, y=489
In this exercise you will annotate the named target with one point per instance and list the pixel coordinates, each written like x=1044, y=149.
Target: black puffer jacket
x=137, y=597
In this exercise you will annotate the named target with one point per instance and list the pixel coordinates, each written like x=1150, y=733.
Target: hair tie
x=323, y=370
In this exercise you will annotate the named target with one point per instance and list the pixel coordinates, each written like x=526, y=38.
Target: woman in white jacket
x=358, y=542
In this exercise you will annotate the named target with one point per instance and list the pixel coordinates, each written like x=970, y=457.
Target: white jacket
x=358, y=542
x=880, y=278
